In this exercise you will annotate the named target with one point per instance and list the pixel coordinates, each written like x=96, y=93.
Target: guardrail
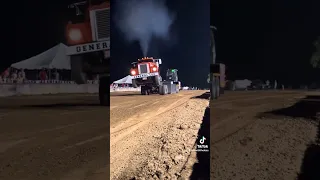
x=42, y=89
x=66, y=87
x=129, y=89
x=44, y=82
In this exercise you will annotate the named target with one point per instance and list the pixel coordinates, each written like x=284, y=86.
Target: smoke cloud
x=142, y=20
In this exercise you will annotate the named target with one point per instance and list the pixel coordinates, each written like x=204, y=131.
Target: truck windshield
x=146, y=60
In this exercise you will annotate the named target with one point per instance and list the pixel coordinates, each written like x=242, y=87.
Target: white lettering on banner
x=144, y=75
x=85, y=48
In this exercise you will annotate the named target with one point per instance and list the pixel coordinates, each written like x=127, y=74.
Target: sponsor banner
x=90, y=47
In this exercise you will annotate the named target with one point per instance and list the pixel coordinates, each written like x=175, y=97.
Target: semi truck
x=146, y=75
x=88, y=39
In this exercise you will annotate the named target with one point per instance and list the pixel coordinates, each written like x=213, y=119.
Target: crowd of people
x=13, y=75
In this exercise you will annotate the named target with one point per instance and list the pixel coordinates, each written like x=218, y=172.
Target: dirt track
x=152, y=137
x=266, y=135
x=53, y=137
x=66, y=137
x=151, y=145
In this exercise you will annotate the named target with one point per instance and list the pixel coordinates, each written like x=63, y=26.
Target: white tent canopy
x=53, y=58
x=242, y=84
x=125, y=80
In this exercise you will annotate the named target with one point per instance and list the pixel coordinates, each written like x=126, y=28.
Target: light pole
x=213, y=57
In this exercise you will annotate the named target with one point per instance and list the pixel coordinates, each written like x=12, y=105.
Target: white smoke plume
x=142, y=20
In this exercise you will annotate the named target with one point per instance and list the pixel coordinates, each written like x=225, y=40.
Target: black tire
x=161, y=89
x=77, y=74
x=134, y=83
x=217, y=86
x=104, y=91
x=143, y=90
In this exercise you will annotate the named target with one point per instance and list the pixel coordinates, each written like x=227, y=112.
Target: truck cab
x=88, y=39
x=145, y=65
x=146, y=71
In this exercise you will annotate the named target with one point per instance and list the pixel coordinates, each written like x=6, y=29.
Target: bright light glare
x=75, y=34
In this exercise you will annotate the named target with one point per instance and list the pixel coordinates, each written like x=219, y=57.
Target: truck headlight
x=133, y=72
x=75, y=34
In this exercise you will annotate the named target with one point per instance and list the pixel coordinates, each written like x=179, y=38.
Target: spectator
x=6, y=74
x=56, y=75
x=22, y=75
x=14, y=76
x=43, y=75
x=268, y=84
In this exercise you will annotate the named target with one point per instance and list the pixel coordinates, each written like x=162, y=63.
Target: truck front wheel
x=104, y=91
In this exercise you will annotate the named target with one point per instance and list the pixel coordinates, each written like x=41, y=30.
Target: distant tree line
x=315, y=58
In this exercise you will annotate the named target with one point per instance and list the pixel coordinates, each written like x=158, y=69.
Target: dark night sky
x=267, y=39
x=255, y=39
x=189, y=50
x=39, y=26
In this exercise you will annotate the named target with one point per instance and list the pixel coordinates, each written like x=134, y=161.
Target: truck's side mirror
x=160, y=62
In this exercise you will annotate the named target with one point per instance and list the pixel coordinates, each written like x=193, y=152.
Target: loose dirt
x=265, y=139
x=159, y=147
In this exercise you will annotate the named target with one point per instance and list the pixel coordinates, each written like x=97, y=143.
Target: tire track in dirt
x=263, y=146
x=125, y=135
x=139, y=120
x=244, y=113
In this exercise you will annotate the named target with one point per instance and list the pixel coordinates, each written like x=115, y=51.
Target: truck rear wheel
x=145, y=90
x=104, y=91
